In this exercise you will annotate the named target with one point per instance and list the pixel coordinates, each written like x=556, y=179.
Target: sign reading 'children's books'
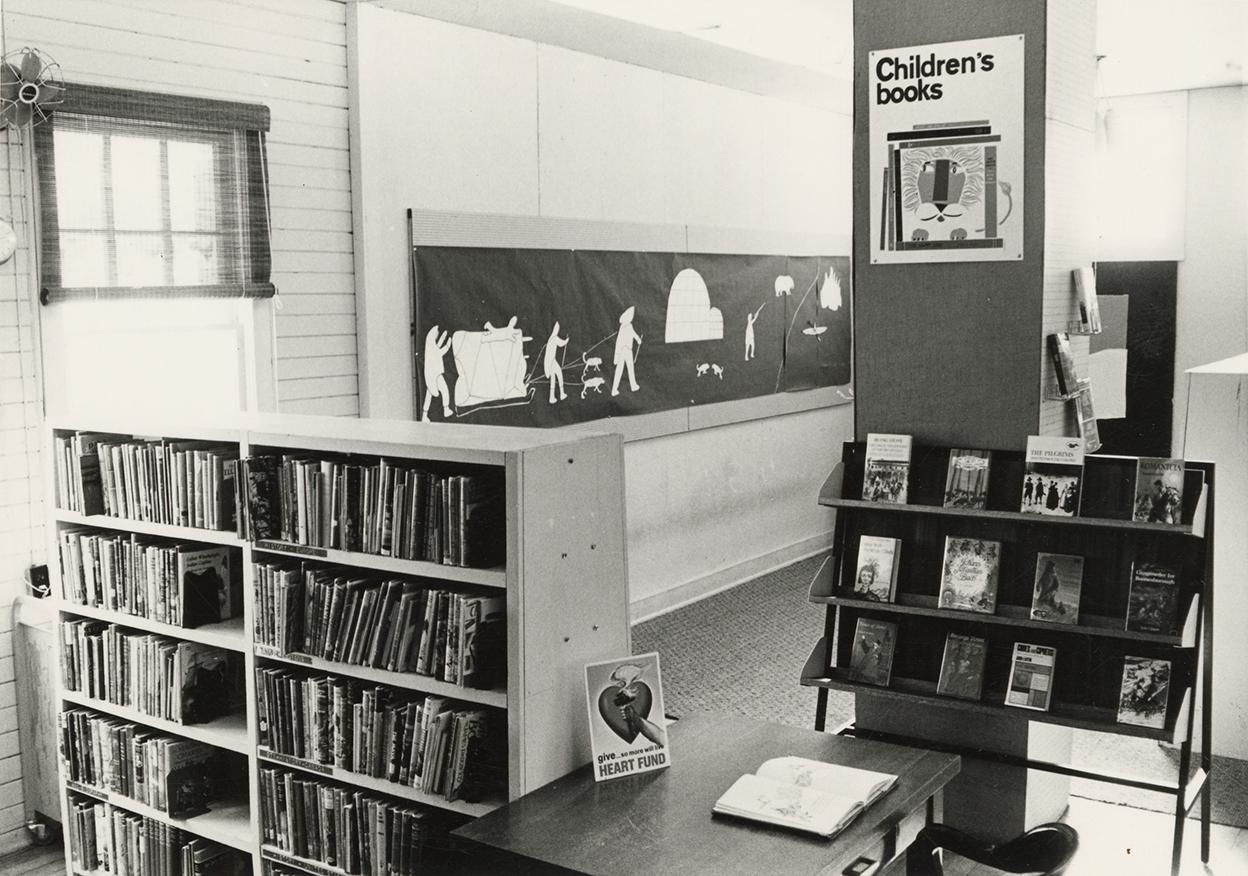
x=946, y=148
x=626, y=725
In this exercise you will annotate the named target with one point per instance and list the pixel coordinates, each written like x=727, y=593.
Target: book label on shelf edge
x=282, y=547
x=306, y=765
x=300, y=863
x=276, y=653
x=80, y=788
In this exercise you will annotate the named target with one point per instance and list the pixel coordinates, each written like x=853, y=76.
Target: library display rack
x=1087, y=675
x=560, y=538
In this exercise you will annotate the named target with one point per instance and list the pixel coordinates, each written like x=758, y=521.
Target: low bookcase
x=562, y=575
x=1090, y=654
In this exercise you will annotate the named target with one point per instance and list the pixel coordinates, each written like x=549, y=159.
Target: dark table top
x=661, y=823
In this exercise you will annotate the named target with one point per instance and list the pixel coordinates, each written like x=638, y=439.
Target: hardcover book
x=1159, y=490
x=962, y=667
x=210, y=593
x=871, y=660
x=875, y=577
x=886, y=475
x=1063, y=358
x=966, y=485
x=969, y=578
x=1059, y=580
x=1152, y=606
x=1031, y=677
x=804, y=794
x=1145, y=692
x=1052, y=476
x=188, y=779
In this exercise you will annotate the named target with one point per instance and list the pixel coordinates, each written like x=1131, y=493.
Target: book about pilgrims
x=966, y=484
x=886, y=474
x=1059, y=581
x=1052, y=476
x=962, y=667
x=1145, y=692
x=969, y=577
x=1159, y=490
x=875, y=576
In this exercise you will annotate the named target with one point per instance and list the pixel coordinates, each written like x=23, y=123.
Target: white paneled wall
x=21, y=473
x=290, y=55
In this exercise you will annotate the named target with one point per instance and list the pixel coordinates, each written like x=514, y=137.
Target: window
x=143, y=194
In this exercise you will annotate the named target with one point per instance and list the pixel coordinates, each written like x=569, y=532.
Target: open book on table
x=804, y=794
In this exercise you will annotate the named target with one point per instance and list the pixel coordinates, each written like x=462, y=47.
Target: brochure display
x=1088, y=616
x=627, y=727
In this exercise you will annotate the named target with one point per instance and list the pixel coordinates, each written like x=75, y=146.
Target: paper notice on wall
x=946, y=150
x=1107, y=361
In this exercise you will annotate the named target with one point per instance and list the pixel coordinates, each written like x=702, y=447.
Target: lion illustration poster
x=946, y=145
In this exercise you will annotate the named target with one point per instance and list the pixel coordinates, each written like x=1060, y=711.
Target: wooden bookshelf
x=564, y=579
x=1090, y=653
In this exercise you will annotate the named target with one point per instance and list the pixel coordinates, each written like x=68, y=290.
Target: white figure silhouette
x=718, y=371
x=749, y=331
x=625, y=353
x=703, y=368
x=552, y=368
x=784, y=285
x=435, y=372
x=594, y=383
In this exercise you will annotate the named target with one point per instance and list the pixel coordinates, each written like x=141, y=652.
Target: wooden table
x=661, y=823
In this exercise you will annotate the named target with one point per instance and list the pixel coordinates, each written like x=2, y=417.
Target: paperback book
x=1031, y=677
x=1086, y=413
x=1159, y=490
x=886, y=475
x=875, y=578
x=871, y=661
x=962, y=667
x=803, y=794
x=1145, y=692
x=1063, y=358
x=969, y=578
x=1052, y=476
x=1152, y=606
x=1085, y=292
x=1059, y=580
x=966, y=485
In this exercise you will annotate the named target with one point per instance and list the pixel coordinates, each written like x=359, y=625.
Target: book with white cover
x=804, y=794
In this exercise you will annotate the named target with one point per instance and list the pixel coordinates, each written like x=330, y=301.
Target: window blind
x=152, y=195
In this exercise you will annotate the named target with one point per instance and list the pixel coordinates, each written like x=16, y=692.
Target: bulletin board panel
x=549, y=322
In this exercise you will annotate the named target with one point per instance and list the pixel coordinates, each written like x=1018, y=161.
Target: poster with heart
x=627, y=727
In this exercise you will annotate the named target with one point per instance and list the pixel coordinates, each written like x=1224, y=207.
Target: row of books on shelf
x=426, y=742
x=1052, y=478
x=383, y=508
x=971, y=571
x=106, y=839
x=183, y=584
x=350, y=830
x=348, y=617
x=174, y=775
x=1142, y=702
x=158, y=480
x=184, y=682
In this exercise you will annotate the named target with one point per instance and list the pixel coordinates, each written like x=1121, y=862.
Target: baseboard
x=730, y=576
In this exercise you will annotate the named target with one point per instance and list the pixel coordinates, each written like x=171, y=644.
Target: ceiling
x=1146, y=45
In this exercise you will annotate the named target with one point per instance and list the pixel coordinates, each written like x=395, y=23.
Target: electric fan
x=31, y=85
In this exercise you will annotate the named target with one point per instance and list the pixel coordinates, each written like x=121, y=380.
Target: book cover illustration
x=871, y=660
x=966, y=484
x=886, y=475
x=875, y=577
x=1089, y=306
x=627, y=727
x=962, y=667
x=1059, y=581
x=1152, y=606
x=1145, y=692
x=969, y=578
x=1031, y=677
x=1159, y=490
x=1052, y=476
x=207, y=585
